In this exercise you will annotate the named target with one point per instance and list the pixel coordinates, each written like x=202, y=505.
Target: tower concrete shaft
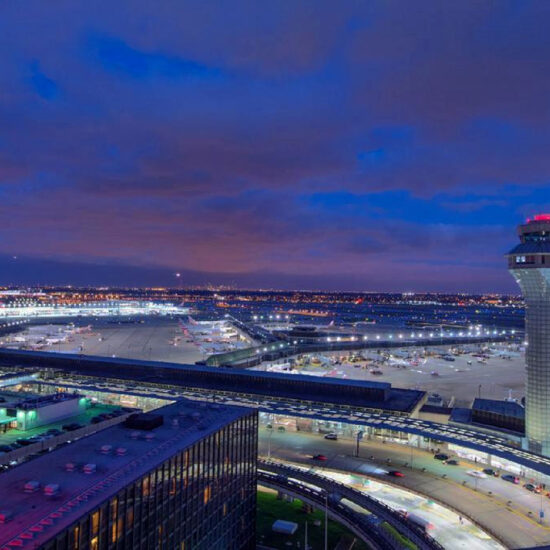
x=529, y=263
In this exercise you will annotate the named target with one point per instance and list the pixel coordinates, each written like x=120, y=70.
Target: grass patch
x=270, y=509
x=404, y=541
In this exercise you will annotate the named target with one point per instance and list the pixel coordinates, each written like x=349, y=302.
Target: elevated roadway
x=336, y=491
x=507, y=512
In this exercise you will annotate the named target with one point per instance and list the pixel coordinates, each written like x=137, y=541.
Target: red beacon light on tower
x=540, y=218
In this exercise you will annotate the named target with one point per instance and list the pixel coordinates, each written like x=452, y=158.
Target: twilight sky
x=370, y=145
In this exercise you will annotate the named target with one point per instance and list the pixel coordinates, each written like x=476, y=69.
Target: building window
x=74, y=538
x=95, y=523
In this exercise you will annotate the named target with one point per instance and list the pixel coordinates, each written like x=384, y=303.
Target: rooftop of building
x=119, y=456
x=46, y=400
x=463, y=415
x=537, y=218
x=494, y=406
x=83, y=418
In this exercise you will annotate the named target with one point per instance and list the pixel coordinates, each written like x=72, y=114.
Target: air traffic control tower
x=529, y=263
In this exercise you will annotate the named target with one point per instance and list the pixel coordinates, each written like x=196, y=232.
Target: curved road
x=515, y=524
x=343, y=491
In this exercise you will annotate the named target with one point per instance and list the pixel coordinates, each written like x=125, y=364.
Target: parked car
x=5, y=448
x=532, y=488
x=320, y=457
x=511, y=478
x=332, y=436
x=477, y=473
x=441, y=456
x=396, y=473
x=452, y=462
x=490, y=472
x=71, y=427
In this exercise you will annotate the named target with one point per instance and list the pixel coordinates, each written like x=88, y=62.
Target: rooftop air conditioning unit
x=31, y=486
x=51, y=490
x=121, y=451
x=70, y=467
x=149, y=436
x=5, y=516
x=105, y=449
x=89, y=468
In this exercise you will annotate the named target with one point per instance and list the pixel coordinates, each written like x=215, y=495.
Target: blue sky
x=364, y=146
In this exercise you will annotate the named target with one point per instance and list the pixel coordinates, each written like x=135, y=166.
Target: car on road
x=490, y=472
x=320, y=457
x=396, y=473
x=532, y=488
x=441, y=456
x=5, y=448
x=511, y=478
x=477, y=473
x=332, y=436
x=452, y=462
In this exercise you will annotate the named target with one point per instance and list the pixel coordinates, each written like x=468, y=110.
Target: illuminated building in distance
x=529, y=263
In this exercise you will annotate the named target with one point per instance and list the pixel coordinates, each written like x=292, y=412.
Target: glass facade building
x=200, y=497
x=529, y=263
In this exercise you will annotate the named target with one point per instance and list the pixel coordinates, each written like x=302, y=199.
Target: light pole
x=360, y=434
x=269, y=443
x=326, y=520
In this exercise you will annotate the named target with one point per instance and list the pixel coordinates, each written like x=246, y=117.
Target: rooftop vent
x=89, y=468
x=5, y=516
x=51, y=490
x=144, y=421
x=31, y=486
x=70, y=467
x=105, y=449
x=121, y=451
